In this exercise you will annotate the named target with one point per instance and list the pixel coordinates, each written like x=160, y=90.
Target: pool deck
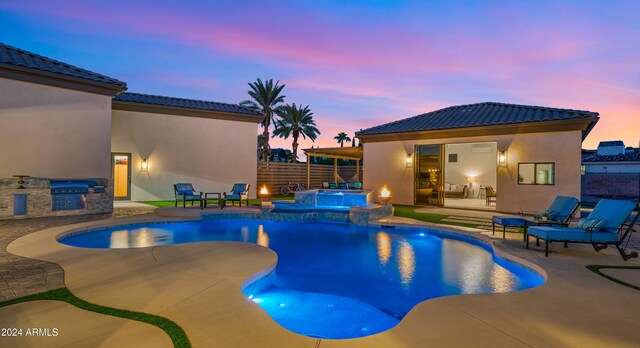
x=198, y=286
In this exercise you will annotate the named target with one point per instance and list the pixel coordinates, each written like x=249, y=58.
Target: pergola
x=350, y=153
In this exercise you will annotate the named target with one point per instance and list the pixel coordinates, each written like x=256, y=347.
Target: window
x=583, y=170
x=536, y=173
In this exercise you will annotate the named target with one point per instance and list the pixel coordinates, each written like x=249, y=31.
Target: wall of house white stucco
x=385, y=163
x=210, y=153
x=53, y=132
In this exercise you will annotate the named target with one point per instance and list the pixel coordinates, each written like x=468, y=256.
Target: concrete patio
x=198, y=286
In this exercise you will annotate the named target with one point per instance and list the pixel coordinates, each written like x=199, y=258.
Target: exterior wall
x=621, y=185
x=614, y=167
x=212, y=154
x=52, y=132
x=385, y=162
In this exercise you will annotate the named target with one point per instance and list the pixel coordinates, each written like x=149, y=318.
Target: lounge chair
x=186, y=193
x=606, y=225
x=238, y=193
x=561, y=210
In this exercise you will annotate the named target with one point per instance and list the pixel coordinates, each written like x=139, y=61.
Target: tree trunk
x=266, y=149
x=294, y=146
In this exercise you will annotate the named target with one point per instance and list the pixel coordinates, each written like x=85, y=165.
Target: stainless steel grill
x=69, y=194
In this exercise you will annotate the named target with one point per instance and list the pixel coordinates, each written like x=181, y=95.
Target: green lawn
x=254, y=201
x=177, y=334
x=408, y=211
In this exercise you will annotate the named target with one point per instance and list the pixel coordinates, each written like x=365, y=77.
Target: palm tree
x=295, y=121
x=341, y=138
x=265, y=97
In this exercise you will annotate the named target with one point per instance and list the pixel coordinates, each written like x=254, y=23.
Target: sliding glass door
x=428, y=178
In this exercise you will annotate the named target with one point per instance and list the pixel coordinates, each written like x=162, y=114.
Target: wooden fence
x=275, y=174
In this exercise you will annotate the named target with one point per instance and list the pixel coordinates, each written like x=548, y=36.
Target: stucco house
x=59, y=121
x=209, y=144
x=461, y=155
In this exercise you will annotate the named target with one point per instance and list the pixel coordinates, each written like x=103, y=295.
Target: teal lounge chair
x=561, y=210
x=238, y=193
x=606, y=225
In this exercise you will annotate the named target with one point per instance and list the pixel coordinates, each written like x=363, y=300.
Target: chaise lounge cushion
x=572, y=234
x=562, y=206
x=615, y=212
x=508, y=220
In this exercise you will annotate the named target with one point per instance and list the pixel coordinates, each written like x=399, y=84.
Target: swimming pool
x=340, y=280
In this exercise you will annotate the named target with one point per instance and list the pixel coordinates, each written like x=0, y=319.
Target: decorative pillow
x=591, y=225
x=552, y=214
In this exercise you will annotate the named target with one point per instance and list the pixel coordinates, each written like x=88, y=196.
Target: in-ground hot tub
x=332, y=198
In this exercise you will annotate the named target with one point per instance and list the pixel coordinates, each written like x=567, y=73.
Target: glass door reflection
x=428, y=180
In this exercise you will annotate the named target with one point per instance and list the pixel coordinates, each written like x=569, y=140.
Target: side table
x=216, y=196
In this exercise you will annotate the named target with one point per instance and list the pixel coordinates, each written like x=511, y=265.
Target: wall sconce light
x=145, y=165
x=409, y=161
x=502, y=159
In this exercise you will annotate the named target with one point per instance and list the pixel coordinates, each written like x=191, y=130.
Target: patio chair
x=238, y=193
x=186, y=193
x=606, y=225
x=491, y=195
x=356, y=185
x=562, y=210
x=333, y=185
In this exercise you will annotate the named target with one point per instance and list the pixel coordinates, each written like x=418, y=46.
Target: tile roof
x=20, y=58
x=478, y=115
x=630, y=155
x=184, y=103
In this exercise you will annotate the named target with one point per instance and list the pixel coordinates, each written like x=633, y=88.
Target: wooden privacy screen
x=276, y=174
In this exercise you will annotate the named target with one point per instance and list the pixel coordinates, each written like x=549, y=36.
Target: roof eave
x=19, y=73
x=585, y=125
x=180, y=111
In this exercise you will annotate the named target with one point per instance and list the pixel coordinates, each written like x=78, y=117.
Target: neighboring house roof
x=486, y=114
x=28, y=61
x=149, y=103
x=611, y=143
x=632, y=155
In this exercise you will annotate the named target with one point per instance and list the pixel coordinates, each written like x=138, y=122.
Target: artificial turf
x=175, y=332
x=255, y=201
x=596, y=269
x=408, y=211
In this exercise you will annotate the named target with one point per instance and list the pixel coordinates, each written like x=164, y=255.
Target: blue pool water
x=340, y=280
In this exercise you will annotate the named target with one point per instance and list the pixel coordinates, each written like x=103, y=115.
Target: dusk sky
x=357, y=64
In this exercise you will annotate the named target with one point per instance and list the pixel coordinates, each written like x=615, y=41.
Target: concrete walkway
x=20, y=276
x=198, y=286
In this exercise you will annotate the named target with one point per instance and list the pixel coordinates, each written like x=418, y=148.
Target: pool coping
x=462, y=311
